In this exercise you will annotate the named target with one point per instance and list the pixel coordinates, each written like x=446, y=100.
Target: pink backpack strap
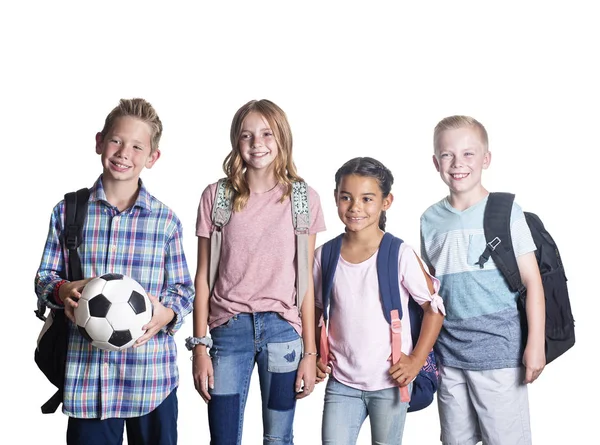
x=324, y=343
x=396, y=330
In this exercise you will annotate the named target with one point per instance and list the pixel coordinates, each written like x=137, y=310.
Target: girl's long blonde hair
x=284, y=167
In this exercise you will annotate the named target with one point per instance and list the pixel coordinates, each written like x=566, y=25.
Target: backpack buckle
x=71, y=237
x=301, y=231
x=494, y=243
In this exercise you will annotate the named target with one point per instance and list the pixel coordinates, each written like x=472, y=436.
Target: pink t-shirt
x=257, y=271
x=359, y=334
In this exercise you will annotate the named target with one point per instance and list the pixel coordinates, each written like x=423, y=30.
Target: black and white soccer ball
x=112, y=310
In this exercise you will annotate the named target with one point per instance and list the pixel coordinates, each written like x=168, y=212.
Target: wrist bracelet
x=310, y=353
x=191, y=342
x=57, y=299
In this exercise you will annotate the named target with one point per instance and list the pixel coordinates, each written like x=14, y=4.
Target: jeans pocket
x=284, y=357
x=476, y=248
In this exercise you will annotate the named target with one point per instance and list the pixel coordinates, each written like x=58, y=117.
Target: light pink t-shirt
x=257, y=271
x=359, y=334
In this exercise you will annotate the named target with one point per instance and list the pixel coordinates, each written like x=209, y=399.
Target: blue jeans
x=158, y=427
x=273, y=344
x=347, y=408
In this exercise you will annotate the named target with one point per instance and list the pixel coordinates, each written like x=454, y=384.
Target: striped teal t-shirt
x=482, y=325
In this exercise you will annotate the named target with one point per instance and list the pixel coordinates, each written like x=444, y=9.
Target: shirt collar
x=143, y=200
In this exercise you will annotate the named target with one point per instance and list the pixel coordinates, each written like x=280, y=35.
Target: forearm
x=535, y=309
x=535, y=304
x=308, y=322
x=308, y=304
x=430, y=329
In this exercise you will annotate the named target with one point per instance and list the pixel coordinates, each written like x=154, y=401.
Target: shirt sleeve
x=52, y=266
x=178, y=293
x=317, y=221
x=204, y=225
x=520, y=233
x=412, y=269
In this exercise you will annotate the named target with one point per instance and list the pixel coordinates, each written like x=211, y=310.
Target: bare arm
x=202, y=369
x=409, y=366
x=307, y=368
x=534, y=357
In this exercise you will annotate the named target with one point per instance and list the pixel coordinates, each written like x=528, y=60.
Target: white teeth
x=120, y=165
x=459, y=175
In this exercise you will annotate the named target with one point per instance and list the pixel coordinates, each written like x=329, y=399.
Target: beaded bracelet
x=57, y=299
x=199, y=355
x=310, y=353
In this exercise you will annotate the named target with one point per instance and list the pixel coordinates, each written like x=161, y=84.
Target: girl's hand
x=305, y=378
x=406, y=369
x=161, y=316
x=322, y=371
x=202, y=371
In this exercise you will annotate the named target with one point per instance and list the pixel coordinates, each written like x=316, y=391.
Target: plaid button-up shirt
x=145, y=243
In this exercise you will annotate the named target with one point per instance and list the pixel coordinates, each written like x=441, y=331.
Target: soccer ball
x=112, y=310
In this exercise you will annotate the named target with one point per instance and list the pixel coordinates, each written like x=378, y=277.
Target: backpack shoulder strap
x=496, y=226
x=387, y=274
x=330, y=254
x=389, y=288
x=221, y=213
x=76, y=204
x=301, y=220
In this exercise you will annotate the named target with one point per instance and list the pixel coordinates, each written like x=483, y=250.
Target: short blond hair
x=140, y=109
x=455, y=122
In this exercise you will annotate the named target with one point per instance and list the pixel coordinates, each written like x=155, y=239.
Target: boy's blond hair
x=455, y=122
x=284, y=167
x=140, y=109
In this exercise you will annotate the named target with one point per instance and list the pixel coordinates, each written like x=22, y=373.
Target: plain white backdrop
x=368, y=78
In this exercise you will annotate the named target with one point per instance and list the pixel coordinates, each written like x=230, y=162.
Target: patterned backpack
x=426, y=383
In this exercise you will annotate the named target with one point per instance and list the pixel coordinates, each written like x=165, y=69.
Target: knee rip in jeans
x=275, y=439
x=283, y=364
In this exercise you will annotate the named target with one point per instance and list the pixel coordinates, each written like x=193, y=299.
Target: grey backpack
x=221, y=213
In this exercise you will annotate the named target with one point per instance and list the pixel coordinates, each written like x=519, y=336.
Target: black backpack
x=560, y=325
x=51, y=350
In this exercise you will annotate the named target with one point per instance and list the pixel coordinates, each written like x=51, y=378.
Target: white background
x=370, y=78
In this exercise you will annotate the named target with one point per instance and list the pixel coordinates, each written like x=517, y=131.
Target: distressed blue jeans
x=274, y=345
x=347, y=408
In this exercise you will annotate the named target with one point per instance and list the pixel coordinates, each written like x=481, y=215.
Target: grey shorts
x=490, y=406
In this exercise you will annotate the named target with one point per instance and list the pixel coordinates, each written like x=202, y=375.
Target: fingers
x=204, y=378
x=532, y=374
x=323, y=368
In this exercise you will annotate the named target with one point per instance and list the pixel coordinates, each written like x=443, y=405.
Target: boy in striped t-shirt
x=483, y=367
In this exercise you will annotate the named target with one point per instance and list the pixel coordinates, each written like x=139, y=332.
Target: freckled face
x=126, y=149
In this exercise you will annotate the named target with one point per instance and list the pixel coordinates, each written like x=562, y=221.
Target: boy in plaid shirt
x=130, y=232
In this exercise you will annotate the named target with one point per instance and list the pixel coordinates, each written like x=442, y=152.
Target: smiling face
x=257, y=143
x=126, y=149
x=360, y=202
x=460, y=157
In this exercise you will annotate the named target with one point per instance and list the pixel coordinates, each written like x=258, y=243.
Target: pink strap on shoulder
x=396, y=328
